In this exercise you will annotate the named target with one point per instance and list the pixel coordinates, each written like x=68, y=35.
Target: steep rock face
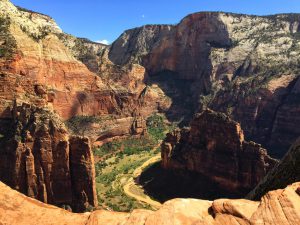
x=46, y=67
x=277, y=207
x=35, y=158
x=133, y=44
x=41, y=57
x=215, y=147
x=246, y=66
x=82, y=173
x=88, y=52
x=285, y=172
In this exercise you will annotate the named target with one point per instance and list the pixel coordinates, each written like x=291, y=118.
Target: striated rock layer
x=214, y=146
x=38, y=158
x=279, y=207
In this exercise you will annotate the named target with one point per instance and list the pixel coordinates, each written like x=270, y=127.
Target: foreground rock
x=285, y=172
x=214, y=146
x=39, y=159
x=281, y=207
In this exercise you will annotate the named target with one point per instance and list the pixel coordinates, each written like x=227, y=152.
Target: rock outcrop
x=38, y=159
x=285, y=172
x=215, y=147
x=279, y=207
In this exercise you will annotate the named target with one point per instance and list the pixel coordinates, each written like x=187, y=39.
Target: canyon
x=245, y=66
x=232, y=78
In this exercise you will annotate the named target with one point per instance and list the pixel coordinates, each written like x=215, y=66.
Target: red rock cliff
x=82, y=173
x=41, y=65
x=237, y=64
x=37, y=159
x=215, y=147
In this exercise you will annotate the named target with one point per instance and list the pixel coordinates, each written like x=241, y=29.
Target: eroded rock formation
x=279, y=207
x=37, y=159
x=82, y=170
x=214, y=146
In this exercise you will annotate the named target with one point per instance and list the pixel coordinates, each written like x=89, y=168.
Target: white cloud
x=105, y=42
x=143, y=16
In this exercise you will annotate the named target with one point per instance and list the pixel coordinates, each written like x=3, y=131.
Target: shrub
x=156, y=127
x=89, y=209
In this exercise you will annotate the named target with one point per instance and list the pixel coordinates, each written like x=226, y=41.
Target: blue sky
x=106, y=20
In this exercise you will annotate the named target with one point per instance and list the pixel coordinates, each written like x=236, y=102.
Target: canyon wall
x=39, y=159
x=214, y=146
x=46, y=77
x=245, y=66
x=45, y=67
x=279, y=207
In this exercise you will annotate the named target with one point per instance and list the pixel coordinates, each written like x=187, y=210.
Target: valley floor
x=134, y=190
x=120, y=162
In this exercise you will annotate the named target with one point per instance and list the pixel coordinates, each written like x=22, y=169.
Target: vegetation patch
x=117, y=160
x=7, y=42
x=43, y=32
x=80, y=124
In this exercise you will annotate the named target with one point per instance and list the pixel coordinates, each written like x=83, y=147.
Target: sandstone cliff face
x=214, y=146
x=39, y=55
x=37, y=159
x=277, y=207
x=36, y=54
x=82, y=173
x=243, y=65
x=285, y=172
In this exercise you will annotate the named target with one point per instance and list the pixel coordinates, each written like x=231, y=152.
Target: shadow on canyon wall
x=163, y=185
x=182, y=93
